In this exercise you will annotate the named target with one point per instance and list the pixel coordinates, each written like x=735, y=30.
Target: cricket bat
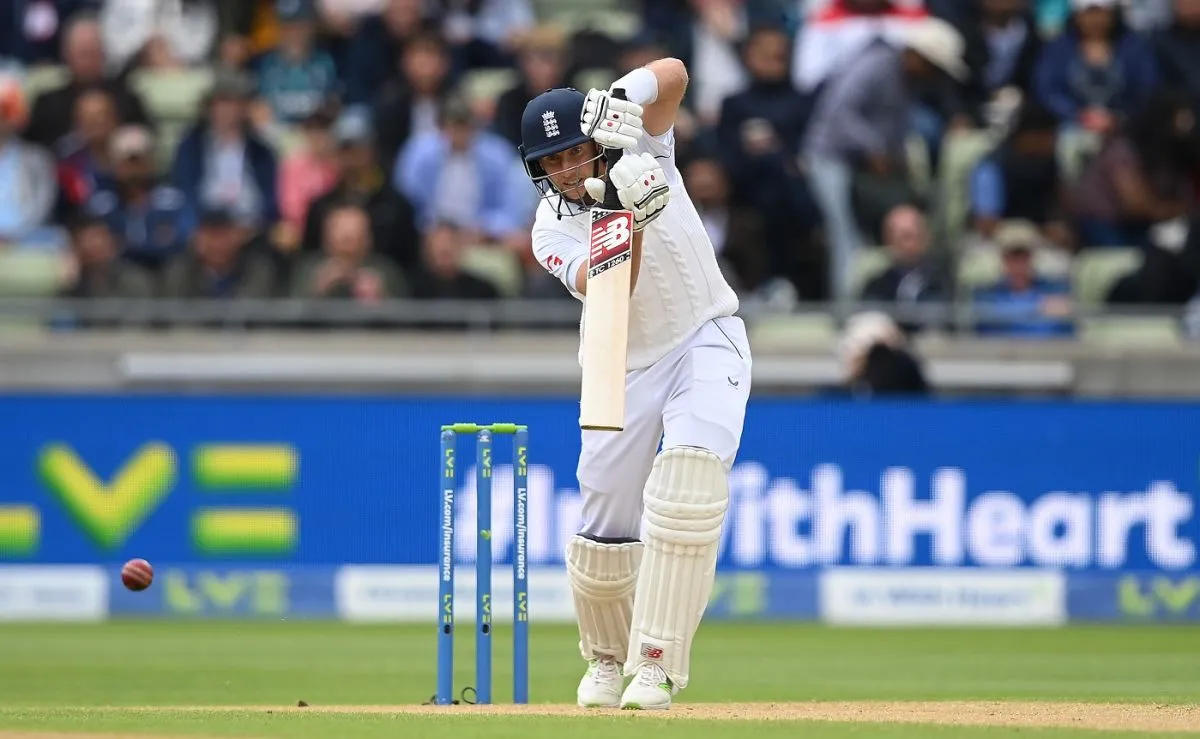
x=606, y=310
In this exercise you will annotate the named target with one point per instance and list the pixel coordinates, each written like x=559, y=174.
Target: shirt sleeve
x=559, y=254
x=661, y=148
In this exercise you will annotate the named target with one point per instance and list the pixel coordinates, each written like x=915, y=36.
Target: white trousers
x=695, y=396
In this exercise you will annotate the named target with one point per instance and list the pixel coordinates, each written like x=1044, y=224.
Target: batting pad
x=603, y=577
x=685, y=500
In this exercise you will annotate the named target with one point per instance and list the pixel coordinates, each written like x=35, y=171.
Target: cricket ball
x=137, y=574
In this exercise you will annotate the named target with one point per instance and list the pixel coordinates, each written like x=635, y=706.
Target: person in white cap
x=876, y=360
x=861, y=123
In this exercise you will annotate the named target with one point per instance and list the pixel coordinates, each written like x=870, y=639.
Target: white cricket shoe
x=651, y=690
x=601, y=684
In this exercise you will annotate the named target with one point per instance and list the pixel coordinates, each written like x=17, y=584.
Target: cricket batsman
x=640, y=589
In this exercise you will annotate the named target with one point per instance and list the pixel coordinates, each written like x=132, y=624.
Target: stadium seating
x=43, y=79
x=497, y=266
x=1132, y=331
x=173, y=99
x=1095, y=270
x=868, y=263
x=27, y=273
x=792, y=331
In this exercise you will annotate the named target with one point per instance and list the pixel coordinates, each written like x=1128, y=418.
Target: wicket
x=483, y=561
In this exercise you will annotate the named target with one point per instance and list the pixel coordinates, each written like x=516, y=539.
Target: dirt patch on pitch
x=1098, y=716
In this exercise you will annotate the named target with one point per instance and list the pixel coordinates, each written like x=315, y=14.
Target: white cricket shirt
x=679, y=286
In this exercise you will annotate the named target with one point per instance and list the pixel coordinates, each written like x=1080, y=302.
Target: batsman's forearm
x=659, y=88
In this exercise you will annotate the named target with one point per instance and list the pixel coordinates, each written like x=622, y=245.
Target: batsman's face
x=568, y=169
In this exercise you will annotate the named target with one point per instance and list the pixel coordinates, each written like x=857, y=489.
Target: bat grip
x=612, y=156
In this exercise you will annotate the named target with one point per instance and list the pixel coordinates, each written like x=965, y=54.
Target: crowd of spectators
x=904, y=152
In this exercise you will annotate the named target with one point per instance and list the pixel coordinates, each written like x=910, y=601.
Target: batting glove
x=641, y=187
x=610, y=122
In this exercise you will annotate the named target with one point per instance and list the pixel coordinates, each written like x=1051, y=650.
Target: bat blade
x=606, y=320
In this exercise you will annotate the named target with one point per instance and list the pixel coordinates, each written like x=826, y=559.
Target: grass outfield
x=245, y=679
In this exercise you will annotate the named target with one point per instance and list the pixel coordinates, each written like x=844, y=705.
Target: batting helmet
x=550, y=125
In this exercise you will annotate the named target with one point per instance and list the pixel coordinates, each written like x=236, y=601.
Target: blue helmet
x=550, y=125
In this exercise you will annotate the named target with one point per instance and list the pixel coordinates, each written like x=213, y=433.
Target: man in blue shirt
x=468, y=176
x=153, y=221
x=1023, y=304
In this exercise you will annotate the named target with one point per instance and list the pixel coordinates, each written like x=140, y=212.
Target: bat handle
x=612, y=156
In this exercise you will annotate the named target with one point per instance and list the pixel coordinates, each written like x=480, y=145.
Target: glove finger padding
x=641, y=187
x=596, y=188
x=610, y=122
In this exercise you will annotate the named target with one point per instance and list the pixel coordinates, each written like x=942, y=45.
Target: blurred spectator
x=855, y=146
x=1170, y=270
x=1178, y=51
x=410, y=104
x=31, y=30
x=28, y=185
x=363, y=180
x=222, y=162
x=377, y=47
x=84, y=55
x=158, y=33
x=759, y=131
x=306, y=174
x=347, y=267
x=718, y=28
x=1003, y=46
x=152, y=218
x=911, y=279
x=1020, y=178
x=220, y=263
x=441, y=275
x=1023, y=303
x=97, y=271
x=637, y=52
x=875, y=358
x=765, y=121
x=483, y=33
x=542, y=59
x=85, y=154
x=1143, y=175
x=297, y=77
x=738, y=233
x=1092, y=77
x=467, y=176
x=838, y=31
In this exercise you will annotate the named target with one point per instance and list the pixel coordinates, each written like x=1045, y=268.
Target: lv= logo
x=110, y=512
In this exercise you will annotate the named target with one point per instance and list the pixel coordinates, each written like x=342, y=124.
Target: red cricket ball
x=137, y=574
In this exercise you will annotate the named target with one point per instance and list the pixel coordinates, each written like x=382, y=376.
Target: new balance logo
x=607, y=237
x=649, y=651
x=550, y=124
x=611, y=241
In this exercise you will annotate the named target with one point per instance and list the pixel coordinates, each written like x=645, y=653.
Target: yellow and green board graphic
x=109, y=512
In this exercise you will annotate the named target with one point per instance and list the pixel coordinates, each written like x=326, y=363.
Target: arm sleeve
x=661, y=148
x=559, y=254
